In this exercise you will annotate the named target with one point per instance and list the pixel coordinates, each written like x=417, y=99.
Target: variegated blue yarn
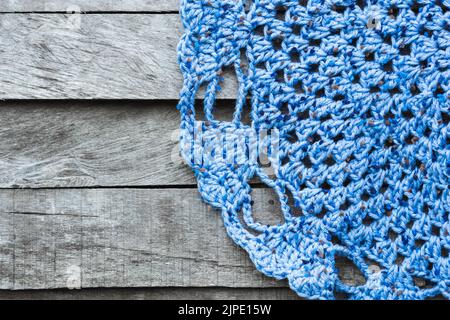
x=359, y=93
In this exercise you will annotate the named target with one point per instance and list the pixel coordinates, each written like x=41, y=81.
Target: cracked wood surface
x=80, y=144
x=86, y=144
x=91, y=238
x=94, y=56
x=115, y=238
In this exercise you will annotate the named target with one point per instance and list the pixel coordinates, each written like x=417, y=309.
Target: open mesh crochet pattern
x=358, y=91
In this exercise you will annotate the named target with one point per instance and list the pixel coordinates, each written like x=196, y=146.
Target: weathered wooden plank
x=153, y=294
x=75, y=144
x=88, y=5
x=116, y=238
x=95, y=56
x=85, y=144
x=90, y=238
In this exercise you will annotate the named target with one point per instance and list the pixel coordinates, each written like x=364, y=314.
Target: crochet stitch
x=357, y=92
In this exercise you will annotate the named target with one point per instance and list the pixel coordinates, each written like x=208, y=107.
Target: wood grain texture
x=91, y=238
x=89, y=5
x=163, y=237
x=76, y=144
x=95, y=56
x=93, y=143
x=153, y=294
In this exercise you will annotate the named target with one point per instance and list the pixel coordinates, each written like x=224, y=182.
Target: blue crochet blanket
x=349, y=108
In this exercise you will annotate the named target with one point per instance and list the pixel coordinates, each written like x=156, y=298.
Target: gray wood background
x=92, y=195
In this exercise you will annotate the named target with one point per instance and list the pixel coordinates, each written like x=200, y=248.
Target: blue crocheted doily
x=356, y=94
